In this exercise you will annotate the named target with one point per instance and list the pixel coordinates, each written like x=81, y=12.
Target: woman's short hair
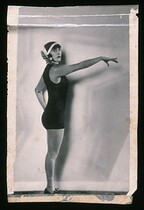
x=45, y=52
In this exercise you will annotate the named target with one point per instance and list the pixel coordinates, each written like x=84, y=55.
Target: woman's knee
x=52, y=156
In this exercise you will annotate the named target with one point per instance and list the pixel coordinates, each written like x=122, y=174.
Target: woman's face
x=56, y=54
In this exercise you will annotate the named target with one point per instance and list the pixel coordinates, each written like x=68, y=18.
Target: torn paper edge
x=11, y=96
x=133, y=43
x=100, y=199
x=11, y=127
x=12, y=22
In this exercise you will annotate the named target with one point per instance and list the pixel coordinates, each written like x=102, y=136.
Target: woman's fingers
x=106, y=62
x=114, y=60
x=110, y=59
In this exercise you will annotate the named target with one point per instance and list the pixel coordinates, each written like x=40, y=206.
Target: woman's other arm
x=40, y=90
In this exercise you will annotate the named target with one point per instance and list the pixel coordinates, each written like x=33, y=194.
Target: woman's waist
x=56, y=104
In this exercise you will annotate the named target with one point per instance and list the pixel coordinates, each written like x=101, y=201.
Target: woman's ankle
x=50, y=189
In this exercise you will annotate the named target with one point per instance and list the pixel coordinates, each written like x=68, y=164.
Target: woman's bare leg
x=54, y=139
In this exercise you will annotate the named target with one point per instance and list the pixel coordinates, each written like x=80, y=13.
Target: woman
x=54, y=81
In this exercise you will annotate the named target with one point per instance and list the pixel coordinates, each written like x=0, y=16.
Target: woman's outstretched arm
x=62, y=70
x=40, y=90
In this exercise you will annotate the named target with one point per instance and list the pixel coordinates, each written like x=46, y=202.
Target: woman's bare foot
x=49, y=190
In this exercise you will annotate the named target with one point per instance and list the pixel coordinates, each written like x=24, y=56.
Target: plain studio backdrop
x=95, y=150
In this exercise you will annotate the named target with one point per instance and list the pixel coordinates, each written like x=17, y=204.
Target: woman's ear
x=50, y=57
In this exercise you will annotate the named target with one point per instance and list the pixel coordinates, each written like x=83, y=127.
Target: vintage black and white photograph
x=72, y=103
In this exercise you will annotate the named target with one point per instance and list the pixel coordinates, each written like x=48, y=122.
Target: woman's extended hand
x=107, y=59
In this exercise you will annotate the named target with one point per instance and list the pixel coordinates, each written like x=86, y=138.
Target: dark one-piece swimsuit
x=53, y=115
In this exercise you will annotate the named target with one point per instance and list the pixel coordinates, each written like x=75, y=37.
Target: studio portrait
x=73, y=100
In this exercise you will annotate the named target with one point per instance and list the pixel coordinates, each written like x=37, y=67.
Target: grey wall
x=95, y=150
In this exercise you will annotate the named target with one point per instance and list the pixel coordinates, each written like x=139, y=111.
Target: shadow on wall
x=104, y=135
x=65, y=147
x=63, y=61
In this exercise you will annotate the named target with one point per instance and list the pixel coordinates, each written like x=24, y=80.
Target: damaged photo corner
x=72, y=104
